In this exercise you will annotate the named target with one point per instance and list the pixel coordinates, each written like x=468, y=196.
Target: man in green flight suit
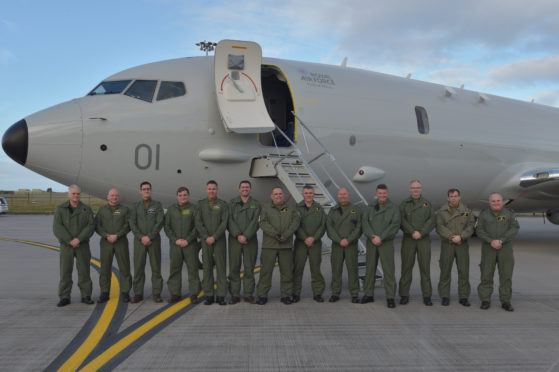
x=418, y=219
x=308, y=243
x=244, y=212
x=146, y=220
x=112, y=225
x=381, y=223
x=278, y=222
x=343, y=226
x=73, y=226
x=211, y=223
x=496, y=228
x=455, y=225
x=183, y=246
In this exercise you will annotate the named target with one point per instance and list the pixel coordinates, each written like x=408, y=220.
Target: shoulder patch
x=425, y=205
x=465, y=214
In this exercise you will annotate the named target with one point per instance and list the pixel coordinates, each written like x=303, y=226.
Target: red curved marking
x=251, y=82
x=222, y=81
x=518, y=197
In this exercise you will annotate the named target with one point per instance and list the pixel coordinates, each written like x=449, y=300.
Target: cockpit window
x=110, y=87
x=170, y=89
x=142, y=89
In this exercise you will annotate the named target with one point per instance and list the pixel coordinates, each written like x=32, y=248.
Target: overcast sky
x=53, y=51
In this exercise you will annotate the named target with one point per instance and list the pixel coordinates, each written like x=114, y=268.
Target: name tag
x=216, y=207
x=151, y=211
x=466, y=214
x=186, y=211
x=117, y=212
x=501, y=218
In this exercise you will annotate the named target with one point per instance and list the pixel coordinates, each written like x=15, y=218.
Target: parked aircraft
x=239, y=116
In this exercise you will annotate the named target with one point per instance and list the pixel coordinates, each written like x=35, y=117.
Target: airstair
x=300, y=167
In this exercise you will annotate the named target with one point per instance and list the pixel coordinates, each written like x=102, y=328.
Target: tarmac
x=36, y=335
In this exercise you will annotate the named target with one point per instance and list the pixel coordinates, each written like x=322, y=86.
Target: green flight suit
x=70, y=223
x=243, y=220
x=496, y=226
x=383, y=221
x=180, y=224
x=313, y=223
x=147, y=221
x=416, y=216
x=278, y=224
x=114, y=221
x=459, y=221
x=344, y=224
x=211, y=220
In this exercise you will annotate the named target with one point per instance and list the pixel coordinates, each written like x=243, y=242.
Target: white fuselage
x=476, y=143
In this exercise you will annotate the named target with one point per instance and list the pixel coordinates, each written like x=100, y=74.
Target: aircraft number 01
x=143, y=156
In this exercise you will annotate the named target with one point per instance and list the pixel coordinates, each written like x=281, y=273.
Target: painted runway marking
x=102, y=324
x=100, y=350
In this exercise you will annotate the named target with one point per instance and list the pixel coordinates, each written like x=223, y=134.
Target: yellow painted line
x=125, y=342
x=100, y=328
x=102, y=324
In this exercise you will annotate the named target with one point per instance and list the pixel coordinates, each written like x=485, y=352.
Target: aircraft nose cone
x=16, y=141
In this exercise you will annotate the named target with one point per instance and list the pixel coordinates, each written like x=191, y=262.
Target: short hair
x=495, y=193
x=308, y=187
x=183, y=188
x=416, y=180
x=452, y=191
x=74, y=186
x=145, y=183
x=245, y=181
x=211, y=182
x=276, y=187
x=382, y=186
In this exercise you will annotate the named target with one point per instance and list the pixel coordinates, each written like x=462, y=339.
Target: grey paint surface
x=307, y=335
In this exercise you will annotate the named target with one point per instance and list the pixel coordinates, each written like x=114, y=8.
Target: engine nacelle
x=553, y=216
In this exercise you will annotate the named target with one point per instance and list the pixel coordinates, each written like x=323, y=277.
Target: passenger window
x=110, y=87
x=171, y=89
x=422, y=120
x=142, y=89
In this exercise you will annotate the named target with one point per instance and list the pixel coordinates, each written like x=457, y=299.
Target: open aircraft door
x=237, y=68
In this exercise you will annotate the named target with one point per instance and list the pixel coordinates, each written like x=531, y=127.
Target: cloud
x=526, y=72
x=454, y=76
x=8, y=25
x=548, y=97
x=427, y=32
x=6, y=57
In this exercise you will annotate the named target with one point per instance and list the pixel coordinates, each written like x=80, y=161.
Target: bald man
x=111, y=223
x=496, y=228
x=343, y=226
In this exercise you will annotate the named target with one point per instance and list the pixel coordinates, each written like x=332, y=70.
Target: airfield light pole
x=206, y=46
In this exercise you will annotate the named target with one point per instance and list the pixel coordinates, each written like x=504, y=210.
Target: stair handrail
x=332, y=158
x=307, y=165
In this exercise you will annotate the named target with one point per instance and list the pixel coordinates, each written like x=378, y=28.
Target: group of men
x=291, y=235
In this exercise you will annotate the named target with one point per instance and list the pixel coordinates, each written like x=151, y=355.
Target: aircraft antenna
x=206, y=46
